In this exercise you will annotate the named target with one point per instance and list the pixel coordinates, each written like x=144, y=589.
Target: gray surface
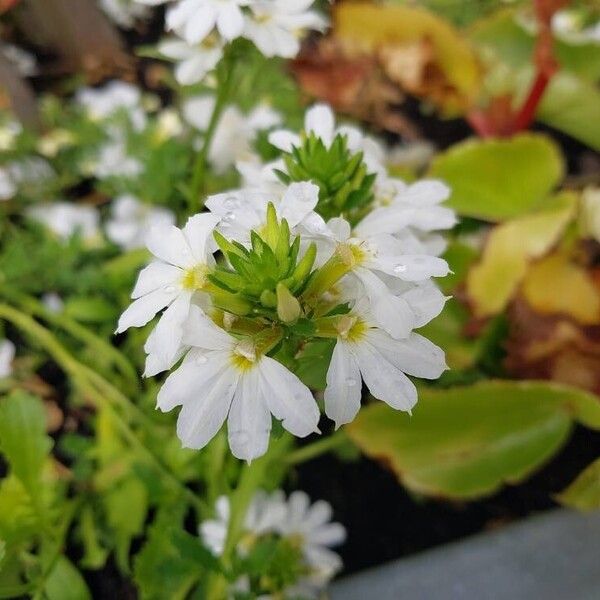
x=554, y=556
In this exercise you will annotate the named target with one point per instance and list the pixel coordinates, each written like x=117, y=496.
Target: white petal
x=200, y=420
x=319, y=120
x=198, y=232
x=288, y=398
x=141, y=311
x=384, y=380
x=426, y=302
x=330, y=534
x=156, y=275
x=201, y=332
x=298, y=202
x=343, y=391
x=168, y=243
x=249, y=422
x=340, y=228
x=416, y=355
x=318, y=514
x=230, y=21
x=284, y=140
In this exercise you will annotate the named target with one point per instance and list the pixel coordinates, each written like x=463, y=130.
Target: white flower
x=195, y=19
x=311, y=524
x=320, y=121
x=31, y=170
x=23, y=61
x=235, y=131
x=7, y=186
x=65, y=219
x=589, y=213
x=401, y=206
x=242, y=211
x=124, y=12
x=9, y=131
x=113, y=161
x=363, y=352
x=275, y=25
x=114, y=97
x=223, y=378
x=265, y=515
x=568, y=25
x=184, y=258
x=308, y=525
x=7, y=354
x=131, y=220
x=194, y=60
x=374, y=257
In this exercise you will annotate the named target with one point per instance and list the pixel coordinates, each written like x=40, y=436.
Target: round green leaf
x=466, y=442
x=497, y=179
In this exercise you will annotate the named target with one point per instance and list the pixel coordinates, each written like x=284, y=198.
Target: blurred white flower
x=31, y=170
x=113, y=98
x=53, y=302
x=7, y=186
x=131, y=220
x=239, y=385
x=276, y=25
x=569, y=26
x=193, y=20
x=9, y=131
x=113, y=161
x=235, y=132
x=124, y=12
x=364, y=352
x=194, y=61
x=23, y=61
x=7, y=354
x=589, y=213
x=65, y=219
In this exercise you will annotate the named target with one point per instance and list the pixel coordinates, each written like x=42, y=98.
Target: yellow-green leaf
x=467, y=442
x=557, y=285
x=511, y=246
x=584, y=492
x=366, y=27
x=497, y=179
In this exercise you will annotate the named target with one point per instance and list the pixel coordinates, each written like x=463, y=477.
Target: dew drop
x=201, y=360
x=169, y=289
x=351, y=382
x=399, y=268
x=230, y=216
x=231, y=203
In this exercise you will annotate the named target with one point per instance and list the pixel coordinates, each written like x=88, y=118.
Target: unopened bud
x=288, y=307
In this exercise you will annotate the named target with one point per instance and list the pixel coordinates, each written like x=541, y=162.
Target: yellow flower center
x=194, y=278
x=243, y=356
x=351, y=328
x=351, y=254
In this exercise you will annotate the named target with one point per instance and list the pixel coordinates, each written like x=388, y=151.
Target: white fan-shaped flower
x=7, y=186
x=276, y=25
x=124, y=12
x=364, y=352
x=131, y=220
x=194, y=61
x=184, y=257
x=65, y=219
x=235, y=131
x=193, y=20
x=113, y=161
x=223, y=378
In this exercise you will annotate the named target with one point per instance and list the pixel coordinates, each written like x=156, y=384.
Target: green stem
x=79, y=332
x=80, y=375
x=224, y=80
x=317, y=448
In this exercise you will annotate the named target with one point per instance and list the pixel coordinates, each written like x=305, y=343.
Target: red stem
x=526, y=115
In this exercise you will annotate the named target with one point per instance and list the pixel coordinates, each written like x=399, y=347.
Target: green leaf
x=496, y=179
x=23, y=438
x=467, y=442
x=584, y=492
x=172, y=561
x=572, y=105
x=313, y=362
x=65, y=582
x=126, y=507
x=510, y=248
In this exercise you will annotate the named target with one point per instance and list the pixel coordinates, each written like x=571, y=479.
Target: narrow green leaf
x=584, y=492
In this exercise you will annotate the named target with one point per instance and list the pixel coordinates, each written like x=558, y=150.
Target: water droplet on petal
x=351, y=382
x=201, y=360
x=231, y=203
x=230, y=216
x=399, y=268
x=169, y=289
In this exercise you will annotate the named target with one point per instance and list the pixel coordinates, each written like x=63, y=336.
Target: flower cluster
x=330, y=249
x=203, y=28
x=298, y=533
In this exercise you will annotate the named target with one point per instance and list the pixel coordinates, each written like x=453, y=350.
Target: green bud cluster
x=268, y=277
x=345, y=186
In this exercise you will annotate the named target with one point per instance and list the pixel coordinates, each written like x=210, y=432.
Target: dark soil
x=385, y=522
